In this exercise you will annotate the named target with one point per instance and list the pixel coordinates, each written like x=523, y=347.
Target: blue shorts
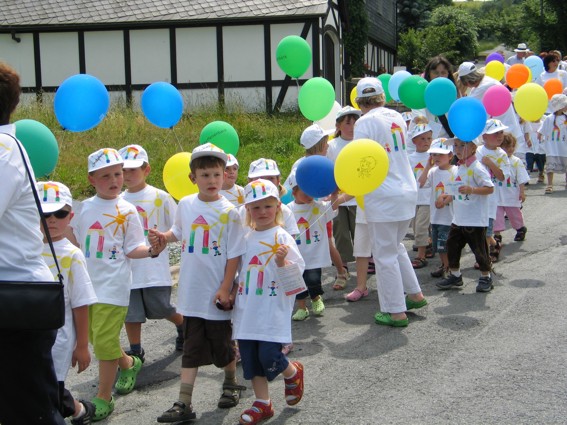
x=490, y=228
x=262, y=358
x=439, y=234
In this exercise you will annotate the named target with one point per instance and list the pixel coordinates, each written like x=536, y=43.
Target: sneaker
x=318, y=307
x=139, y=354
x=127, y=377
x=439, y=272
x=294, y=386
x=484, y=284
x=88, y=417
x=300, y=315
x=177, y=413
x=257, y=413
x=287, y=348
x=450, y=281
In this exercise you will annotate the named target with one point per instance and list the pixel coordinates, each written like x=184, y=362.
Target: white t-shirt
x=500, y=158
x=262, y=310
x=471, y=210
x=531, y=129
x=436, y=183
x=554, y=132
x=21, y=243
x=418, y=162
x=336, y=145
x=156, y=210
x=312, y=240
x=211, y=234
x=509, y=190
x=395, y=199
x=78, y=292
x=235, y=195
x=108, y=230
x=290, y=225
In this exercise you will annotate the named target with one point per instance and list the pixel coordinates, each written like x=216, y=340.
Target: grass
x=261, y=135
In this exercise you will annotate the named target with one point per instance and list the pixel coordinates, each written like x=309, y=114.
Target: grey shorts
x=150, y=303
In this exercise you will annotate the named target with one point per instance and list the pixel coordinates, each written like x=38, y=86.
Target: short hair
x=343, y=118
x=474, y=77
x=9, y=92
x=548, y=59
x=206, y=162
x=434, y=62
x=372, y=101
x=318, y=147
x=509, y=140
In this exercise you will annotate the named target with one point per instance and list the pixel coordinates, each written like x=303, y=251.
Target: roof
x=96, y=12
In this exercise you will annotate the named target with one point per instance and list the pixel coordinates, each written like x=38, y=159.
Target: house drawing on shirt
x=200, y=222
x=144, y=216
x=255, y=263
x=95, y=229
x=303, y=225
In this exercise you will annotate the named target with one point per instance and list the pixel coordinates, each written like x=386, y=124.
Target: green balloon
x=222, y=135
x=40, y=144
x=316, y=98
x=293, y=55
x=385, y=79
x=412, y=92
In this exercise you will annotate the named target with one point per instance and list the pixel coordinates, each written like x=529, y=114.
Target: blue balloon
x=81, y=102
x=315, y=176
x=440, y=95
x=394, y=83
x=467, y=118
x=535, y=63
x=162, y=104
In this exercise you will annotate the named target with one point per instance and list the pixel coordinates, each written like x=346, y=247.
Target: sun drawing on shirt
x=119, y=220
x=272, y=251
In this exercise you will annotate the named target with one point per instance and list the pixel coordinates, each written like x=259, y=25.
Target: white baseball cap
x=291, y=179
x=260, y=189
x=368, y=87
x=466, y=68
x=407, y=115
x=105, y=157
x=348, y=110
x=419, y=129
x=134, y=156
x=263, y=167
x=53, y=196
x=231, y=160
x=208, y=149
x=439, y=146
x=557, y=102
x=312, y=135
x=451, y=142
x=494, y=126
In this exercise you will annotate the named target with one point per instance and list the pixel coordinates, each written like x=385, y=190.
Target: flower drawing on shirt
x=119, y=220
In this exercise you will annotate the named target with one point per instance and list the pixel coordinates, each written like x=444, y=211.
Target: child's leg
x=549, y=179
x=106, y=376
x=260, y=387
x=134, y=333
x=444, y=260
x=337, y=260
x=302, y=312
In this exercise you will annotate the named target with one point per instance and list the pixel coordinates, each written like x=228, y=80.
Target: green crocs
x=300, y=315
x=127, y=377
x=411, y=305
x=386, y=320
x=103, y=408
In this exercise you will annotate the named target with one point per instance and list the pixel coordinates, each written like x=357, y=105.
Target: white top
x=107, y=230
x=531, y=129
x=509, y=190
x=262, y=310
x=336, y=145
x=437, y=181
x=78, y=292
x=471, y=210
x=290, y=225
x=21, y=243
x=554, y=132
x=395, y=199
x=210, y=233
x=313, y=241
x=156, y=210
x=418, y=162
x=234, y=195
x=500, y=158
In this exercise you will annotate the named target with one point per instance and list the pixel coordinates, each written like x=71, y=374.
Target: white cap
x=466, y=68
x=557, y=102
x=368, y=87
x=312, y=135
x=291, y=179
x=439, y=146
x=263, y=167
x=231, y=160
x=407, y=115
x=260, y=189
x=53, y=196
x=208, y=149
x=419, y=129
x=478, y=141
x=522, y=47
x=134, y=156
x=348, y=110
x=494, y=126
x=103, y=158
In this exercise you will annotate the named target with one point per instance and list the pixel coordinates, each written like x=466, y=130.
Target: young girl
x=262, y=293
x=230, y=190
x=535, y=153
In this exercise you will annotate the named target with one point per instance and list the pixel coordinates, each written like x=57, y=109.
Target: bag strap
x=445, y=123
x=38, y=204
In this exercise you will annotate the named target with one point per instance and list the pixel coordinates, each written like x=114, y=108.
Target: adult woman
x=30, y=393
x=551, y=66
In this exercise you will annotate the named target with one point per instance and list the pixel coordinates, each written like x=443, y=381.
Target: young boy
x=230, y=190
x=72, y=344
x=469, y=195
x=109, y=233
x=150, y=296
x=205, y=221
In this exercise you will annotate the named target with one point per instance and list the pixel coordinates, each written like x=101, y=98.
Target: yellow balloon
x=176, y=176
x=353, y=98
x=360, y=202
x=495, y=69
x=531, y=101
x=361, y=166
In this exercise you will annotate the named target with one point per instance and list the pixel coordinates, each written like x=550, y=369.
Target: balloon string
x=317, y=220
x=177, y=138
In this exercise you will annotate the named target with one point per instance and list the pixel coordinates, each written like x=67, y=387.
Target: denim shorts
x=490, y=228
x=439, y=234
x=262, y=358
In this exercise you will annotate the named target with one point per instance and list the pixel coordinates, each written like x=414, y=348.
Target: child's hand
x=487, y=161
x=440, y=201
x=222, y=298
x=281, y=253
x=82, y=357
x=522, y=196
x=157, y=240
x=466, y=190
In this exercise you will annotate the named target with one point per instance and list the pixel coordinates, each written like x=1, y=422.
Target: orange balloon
x=517, y=75
x=553, y=86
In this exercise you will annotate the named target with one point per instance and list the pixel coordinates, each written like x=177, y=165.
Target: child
x=262, y=293
x=469, y=195
x=512, y=194
x=150, y=296
x=535, y=152
x=230, y=190
x=312, y=216
x=553, y=136
x=71, y=346
x=110, y=234
x=421, y=138
x=203, y=222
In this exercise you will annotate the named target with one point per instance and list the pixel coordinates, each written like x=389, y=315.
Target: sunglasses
x=58, y=214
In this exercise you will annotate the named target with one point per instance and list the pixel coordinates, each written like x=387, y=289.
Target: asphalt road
x=466, y=358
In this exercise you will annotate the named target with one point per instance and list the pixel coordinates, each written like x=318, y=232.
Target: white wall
x=19, y=56
x=251, y=99
x=150, y=59
x=196, y=55
x=59, y=52
x=244, y=53
x=104, y=56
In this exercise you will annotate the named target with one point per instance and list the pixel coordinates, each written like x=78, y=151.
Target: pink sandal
x=356, y=295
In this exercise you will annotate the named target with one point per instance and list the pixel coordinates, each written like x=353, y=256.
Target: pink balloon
x=497, y=100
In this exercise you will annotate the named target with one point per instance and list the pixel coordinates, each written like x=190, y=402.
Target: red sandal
x=294, y=386
x=257, y=413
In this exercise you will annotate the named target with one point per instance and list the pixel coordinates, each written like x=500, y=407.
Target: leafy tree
x=410, y=50
x=357, y=38
x=465, y=26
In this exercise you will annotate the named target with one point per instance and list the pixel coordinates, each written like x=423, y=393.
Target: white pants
x=394, y=272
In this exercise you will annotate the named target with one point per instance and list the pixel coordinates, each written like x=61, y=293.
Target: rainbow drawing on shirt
x=46, y=187
x=439, y=189
x=255, y=263
x=397, y=132
x=144, y=216
x=131, y=153
x=303, y=225
x=96, y=228
x=256, y=185
x=200, y=222
x=418, y=169
x=556, y=133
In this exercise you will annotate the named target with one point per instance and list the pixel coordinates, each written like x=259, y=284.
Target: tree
x=410, y=50
x=356, y=37
x=464, y=25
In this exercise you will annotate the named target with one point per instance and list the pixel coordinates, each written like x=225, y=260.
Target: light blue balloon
x=81, y=102
x=162, y=104
x=394, y=83
x=287, y=198
x=467, y=117
x=440, y=95
x=535, y=63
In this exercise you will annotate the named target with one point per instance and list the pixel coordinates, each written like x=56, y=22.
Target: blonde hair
x=279, y=220
x=372, y=101
x=508, y=141
x=318, y=148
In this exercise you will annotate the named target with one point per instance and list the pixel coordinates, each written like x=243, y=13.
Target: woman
x=551, y=66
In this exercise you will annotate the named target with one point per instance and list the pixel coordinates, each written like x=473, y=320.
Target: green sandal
x=127, y=377
x=103, y=408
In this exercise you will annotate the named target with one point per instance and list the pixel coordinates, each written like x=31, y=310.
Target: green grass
x=261, y=135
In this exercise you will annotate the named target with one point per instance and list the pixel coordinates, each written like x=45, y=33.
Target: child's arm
x=337, y=199
x=522, y=192
x=81, y=354
x=223, y=294
x=470, y=190
x=422, y=179
x=443, y=200
x=496, y=171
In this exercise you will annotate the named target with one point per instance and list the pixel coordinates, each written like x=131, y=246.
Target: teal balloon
x=385, y=80
x=394, y=83
x=40, y=144
x=412, y=92
x=316, y=98
x=293, y=55
x=440, y=95
x=222, y=135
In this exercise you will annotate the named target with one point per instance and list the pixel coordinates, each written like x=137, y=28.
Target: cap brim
x=133, y=163
x=257, y=174
x=439, y=151
x=355, y=112
x=496, y=130
x=50, y=207
x=220, y=155
x=100, y=167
